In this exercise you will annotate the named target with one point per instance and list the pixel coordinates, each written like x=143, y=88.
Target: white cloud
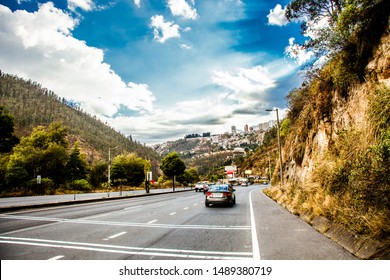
x=42, y=42
x=277, y=16
x=297, y=52
x=86, y=5
x=183, y=9
x=164, y=30
x=137, y=3
x=252, y=80
x=185, y=46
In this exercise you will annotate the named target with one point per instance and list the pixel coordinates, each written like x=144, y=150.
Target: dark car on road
x=220, y=194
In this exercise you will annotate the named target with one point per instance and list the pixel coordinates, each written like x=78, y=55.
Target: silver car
x=220, y=194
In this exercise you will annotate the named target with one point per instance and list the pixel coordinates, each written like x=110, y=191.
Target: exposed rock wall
x=346, y=115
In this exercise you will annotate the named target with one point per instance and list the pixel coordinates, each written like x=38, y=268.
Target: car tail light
x=226, y=194
x=208, y=193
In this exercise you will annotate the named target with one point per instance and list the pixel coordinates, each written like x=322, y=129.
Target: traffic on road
x=164, y=227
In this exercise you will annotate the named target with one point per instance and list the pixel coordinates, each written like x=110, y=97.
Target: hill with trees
x=59, y=143
x=32, y=106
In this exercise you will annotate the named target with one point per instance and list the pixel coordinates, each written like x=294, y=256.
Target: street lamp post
x=270, y=171
x=279, y=144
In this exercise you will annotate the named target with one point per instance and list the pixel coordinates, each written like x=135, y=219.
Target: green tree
x=43, y=152
x=7, y=139
x=98, y=174
x=4, y=159
x=129, y=167
x=349, y=21
x=172, y=165
x=193, y=175
x=76, y=167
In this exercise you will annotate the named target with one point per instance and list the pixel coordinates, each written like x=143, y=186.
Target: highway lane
x=170, y=226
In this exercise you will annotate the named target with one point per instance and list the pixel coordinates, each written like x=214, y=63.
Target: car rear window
x=219, y=188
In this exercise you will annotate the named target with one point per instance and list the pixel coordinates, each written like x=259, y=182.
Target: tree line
x=44, y=162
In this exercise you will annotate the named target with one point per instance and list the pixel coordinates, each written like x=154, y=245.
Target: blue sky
x=157, y=70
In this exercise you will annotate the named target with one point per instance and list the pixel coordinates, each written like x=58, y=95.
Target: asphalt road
x=166, y=227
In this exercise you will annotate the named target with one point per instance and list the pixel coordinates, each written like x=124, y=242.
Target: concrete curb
x=360, y=246
x=70, y=202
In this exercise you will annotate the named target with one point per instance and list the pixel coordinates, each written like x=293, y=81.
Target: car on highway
x=244, y=183
x=220, y=194
x=200, y=187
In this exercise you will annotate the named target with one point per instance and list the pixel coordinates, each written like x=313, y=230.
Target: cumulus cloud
x=42, y=42
x=297, y=52
x=137, y=3
x=277, y=16
x=183, y=9
x=164, y=30
x=240, y=99
x=86, y=5
x=252, y=80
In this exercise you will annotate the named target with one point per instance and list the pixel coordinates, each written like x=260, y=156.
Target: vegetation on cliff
x=336, y=156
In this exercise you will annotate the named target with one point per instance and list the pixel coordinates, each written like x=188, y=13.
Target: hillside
x=336, y=156
x=211, y=153
x=33, y=105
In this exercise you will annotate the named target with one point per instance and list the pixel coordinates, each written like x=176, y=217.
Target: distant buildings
x=266, y=126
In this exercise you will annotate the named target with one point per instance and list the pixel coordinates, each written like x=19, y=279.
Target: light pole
x=279, y=145
x=270, y=171
x=109, y=169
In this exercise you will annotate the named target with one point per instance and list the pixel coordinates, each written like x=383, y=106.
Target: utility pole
x=270, y=171
x=279, y=144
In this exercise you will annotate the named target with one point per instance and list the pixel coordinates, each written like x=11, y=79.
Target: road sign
x=230, y=168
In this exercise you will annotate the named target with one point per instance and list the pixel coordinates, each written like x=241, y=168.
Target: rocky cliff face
x=349, y=114
x=336, y=158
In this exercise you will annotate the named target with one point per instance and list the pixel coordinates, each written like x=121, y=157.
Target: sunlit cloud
x=183, y=9
x=86, y=5
x=277, y=16
x=43, y=43
x=164, y=30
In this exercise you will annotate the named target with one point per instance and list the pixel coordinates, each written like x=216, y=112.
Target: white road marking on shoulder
x=151, y=222
x=56, y=258
x=255, y=242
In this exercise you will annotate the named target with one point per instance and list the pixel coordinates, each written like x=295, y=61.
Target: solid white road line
x=255, y=242
x=125, y=249
x=112, y=223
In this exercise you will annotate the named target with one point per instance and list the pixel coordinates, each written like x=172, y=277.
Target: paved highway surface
x=169, y=226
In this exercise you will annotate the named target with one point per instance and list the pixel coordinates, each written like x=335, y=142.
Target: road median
x=4, y=209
